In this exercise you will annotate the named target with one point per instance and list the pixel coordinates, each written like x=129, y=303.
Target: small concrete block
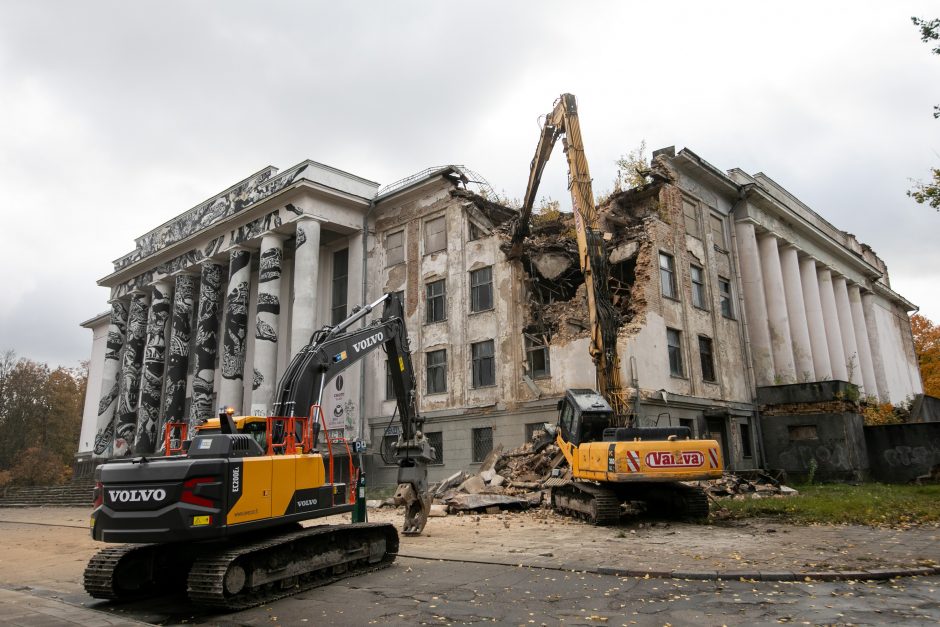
x=497, y=480
x=825, y=575
x=730, y=575
x=488, y=475
x=778, y=575
x=473, y=485
x=438, y=511
x=702, y=575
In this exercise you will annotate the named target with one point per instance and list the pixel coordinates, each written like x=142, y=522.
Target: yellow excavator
x=612, y=460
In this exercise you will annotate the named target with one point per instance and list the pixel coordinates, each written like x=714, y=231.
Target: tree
x=927, y=348
x=632, y=169
x=928, y=193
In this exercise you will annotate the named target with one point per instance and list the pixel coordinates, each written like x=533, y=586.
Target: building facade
x=724, y=284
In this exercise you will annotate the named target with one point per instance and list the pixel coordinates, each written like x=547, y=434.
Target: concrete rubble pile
x=761, y=485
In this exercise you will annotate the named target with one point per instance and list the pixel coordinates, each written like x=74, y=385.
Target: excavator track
x=240, y=577
x=678, y=501
x=596, y=504
x=133, y=571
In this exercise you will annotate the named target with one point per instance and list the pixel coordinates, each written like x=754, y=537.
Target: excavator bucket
x=417, y=507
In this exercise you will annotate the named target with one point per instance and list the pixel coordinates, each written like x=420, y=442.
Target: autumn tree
x=40, y=408
x=927, y=348
x=928, y=193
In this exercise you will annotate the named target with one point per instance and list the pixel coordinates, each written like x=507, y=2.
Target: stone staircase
x=77, y=493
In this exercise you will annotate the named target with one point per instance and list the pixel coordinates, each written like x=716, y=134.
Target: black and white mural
x=148, y=415
x=235, y=338
x=104, y=433
x=267, y=319
x=255, y=228
x=174, y=405
x=131, y=363
x=206, y=342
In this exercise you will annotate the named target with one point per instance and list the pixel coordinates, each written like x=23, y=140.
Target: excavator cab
x=583, y=415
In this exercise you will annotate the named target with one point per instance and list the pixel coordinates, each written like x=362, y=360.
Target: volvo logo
x=136, y=496
x=369, y=341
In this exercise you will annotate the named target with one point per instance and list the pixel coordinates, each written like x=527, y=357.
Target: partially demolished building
x=725, y=283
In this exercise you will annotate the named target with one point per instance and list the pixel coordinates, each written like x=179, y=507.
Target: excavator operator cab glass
x=566, y=419
x=592, y=426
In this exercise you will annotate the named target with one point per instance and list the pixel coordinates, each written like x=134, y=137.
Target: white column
x=861, y=340
x=755, y=308
x=110, y=380
x=796, y=312
x=235, y=330
x=814, y=319
x=848, y=330
x=306, y=275
x=781, y=345
x=827, y=296
x=874, y=341
x=267, y=322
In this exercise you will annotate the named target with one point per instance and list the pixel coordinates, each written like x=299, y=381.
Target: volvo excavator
x=222, y=513
x=612, y=460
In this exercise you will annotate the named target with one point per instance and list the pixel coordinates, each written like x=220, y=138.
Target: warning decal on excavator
x=633, y=461
x=713, y=458
x=666, y=459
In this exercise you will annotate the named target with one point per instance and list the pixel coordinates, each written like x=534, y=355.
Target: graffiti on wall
x=831, y=455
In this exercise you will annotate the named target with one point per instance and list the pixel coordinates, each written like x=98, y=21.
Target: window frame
x=668, y=274
x=428, y=298
x=696, y=222
x=428, y=234
x=478, y=364
x=428, y=374
x=747, y=441
x=388, y=249
x=708, y=368
x=337, y=280
x=699, y=293
x=439, y=460
x=674, y=353
x=718, y=235
x=722, y=281
x=486, y=287
x=476, y=455
x=533, y=346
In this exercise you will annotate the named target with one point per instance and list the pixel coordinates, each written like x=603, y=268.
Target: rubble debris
x=761, y=485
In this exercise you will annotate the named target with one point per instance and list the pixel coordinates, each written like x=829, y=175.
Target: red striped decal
x=633, y=461
x=713, y=457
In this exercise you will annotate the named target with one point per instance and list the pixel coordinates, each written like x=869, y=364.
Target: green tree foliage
x=41, y=409
x=632, y=169
x=928, y=193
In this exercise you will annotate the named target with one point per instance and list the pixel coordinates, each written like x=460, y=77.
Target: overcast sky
x=117, y=116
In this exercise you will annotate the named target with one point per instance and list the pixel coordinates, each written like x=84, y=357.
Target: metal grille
x=436, y=440
x=482, y=443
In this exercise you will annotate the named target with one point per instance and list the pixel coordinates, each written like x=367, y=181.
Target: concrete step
x=78, y=493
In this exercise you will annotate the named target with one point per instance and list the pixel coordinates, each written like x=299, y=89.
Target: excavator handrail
x=168, y=448
x=353, y=481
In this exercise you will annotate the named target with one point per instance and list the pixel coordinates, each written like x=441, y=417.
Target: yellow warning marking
x=200, y=520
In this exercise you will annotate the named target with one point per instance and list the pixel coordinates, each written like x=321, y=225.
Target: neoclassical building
x=725, y=284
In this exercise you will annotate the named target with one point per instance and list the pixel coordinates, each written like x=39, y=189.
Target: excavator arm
x=563, y=122
x=333, y=349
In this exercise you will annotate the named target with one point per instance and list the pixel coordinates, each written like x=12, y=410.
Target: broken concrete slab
x=552, y=265
x=489, y=462
x=487, y=475
x=473, y=485
x=624, y=251
x=438, y=510
x=469, y=502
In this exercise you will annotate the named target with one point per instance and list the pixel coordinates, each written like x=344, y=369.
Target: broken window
x=674, y=347
x=340, y=285
x=537, y=364
x=698, y=287
x=667, y=276
x=482, y=443
x=436, y=296
x=746, y=449
x=705, y=351
x=435, y=235
x=437, y=371
x=483, y=364
x=690, y=212
x=476, y=232
x=436, y=440
x=395, y=248
x=718, y=233
x=481, y=289
x=531, y=428
x=724, y=291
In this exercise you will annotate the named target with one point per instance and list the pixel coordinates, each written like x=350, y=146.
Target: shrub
x=37, y=466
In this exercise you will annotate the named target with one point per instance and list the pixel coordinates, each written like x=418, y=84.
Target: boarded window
x=340, y=285
x=482, y=443
x=724, y=294
x=437, y=371
x=690, y=213
x=698, y=287
x=435, y=235
x=718, y=232
x=483, y=364
x=667, y=275
x=674, y=348
x=436, y=301
x=395, y=248
x=706, y=352
x=481, y=289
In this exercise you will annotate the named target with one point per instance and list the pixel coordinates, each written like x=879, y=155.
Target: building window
x=690, y=213
x=531, y=428
x=436, y=440
x=706, y=353
x=483, y=364
x=536, y=355
x=388, y=450
x=718, y=232
x=436, y=301
x=667, y=275
x=340, y=285
x=746, y=449
x=437, y=371
x=481, y=289
x=395, y=248
x=482, y=443
x=476, y=232
x=724, y=290
x=674, y=345
x=389, y=386
x=435, y=235
x=698, y=287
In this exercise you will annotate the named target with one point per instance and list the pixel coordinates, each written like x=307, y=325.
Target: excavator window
x=565, y=419
x=593, y=425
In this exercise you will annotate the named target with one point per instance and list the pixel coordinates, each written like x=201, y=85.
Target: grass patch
x=875, y=504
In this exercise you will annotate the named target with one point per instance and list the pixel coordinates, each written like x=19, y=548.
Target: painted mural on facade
x=178, y=353
x=148, y=418
x=104, y=432
x=206, y=341
x=131, y=365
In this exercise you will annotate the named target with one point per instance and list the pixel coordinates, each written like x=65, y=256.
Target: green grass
x=875, y=504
